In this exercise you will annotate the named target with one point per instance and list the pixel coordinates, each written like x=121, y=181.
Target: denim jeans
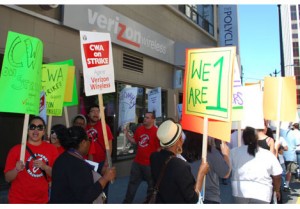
x=283, y=175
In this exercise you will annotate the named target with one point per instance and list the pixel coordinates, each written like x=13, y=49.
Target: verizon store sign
x=123, y=31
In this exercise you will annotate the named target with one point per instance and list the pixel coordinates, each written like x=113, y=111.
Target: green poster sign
x=21, y=74
x=75, y=94
x=54, y=78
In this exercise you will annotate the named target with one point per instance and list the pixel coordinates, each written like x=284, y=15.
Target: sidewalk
x=117, y=192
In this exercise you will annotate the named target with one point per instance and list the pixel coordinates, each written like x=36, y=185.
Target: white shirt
x=251, y=175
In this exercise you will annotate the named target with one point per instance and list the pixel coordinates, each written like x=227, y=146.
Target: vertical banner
x=21, y=74
x=154, y=101
x=208, y=91
x=54, y=78
x=97, y=61
x=228, y=26
x=127, y=105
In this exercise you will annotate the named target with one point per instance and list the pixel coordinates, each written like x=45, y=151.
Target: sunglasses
x=34, y=127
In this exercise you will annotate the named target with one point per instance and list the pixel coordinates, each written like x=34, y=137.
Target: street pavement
x=117, y=192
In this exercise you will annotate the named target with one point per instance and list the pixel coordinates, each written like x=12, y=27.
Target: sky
x=259, y=40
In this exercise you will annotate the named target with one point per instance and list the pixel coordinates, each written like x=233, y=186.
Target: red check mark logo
x=120, y=36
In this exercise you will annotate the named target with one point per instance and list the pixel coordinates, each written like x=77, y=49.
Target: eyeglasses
x=34, y=127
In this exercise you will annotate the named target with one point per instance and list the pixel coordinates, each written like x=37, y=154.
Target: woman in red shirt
x=30, y=179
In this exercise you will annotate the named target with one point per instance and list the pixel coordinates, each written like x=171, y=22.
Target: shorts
x=291, y=166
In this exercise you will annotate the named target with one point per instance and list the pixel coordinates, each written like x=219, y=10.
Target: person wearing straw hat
x=178, y=184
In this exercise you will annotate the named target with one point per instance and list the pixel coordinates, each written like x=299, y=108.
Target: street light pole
x=276, y=72
x=281, y=44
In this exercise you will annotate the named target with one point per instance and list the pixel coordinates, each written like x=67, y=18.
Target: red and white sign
x=97, y=62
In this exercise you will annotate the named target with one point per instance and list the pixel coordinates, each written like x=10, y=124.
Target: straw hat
x=168, y=133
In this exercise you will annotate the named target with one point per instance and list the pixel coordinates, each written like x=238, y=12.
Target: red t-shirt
x=147, y=142
x=30, y=185
x=95, y=132
x=60, y=150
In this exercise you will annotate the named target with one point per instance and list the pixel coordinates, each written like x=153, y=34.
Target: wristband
x=276, y=190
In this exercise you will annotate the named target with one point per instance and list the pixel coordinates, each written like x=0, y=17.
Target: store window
x=123, y=148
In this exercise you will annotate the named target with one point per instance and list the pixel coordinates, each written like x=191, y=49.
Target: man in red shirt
x=147, y=143
x=94, y=131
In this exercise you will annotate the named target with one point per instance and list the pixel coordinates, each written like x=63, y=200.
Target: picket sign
x=24, y=137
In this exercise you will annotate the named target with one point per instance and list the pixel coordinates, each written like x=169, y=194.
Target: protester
x=254, y=171
x=282, y=163
x=147, y=143
x=297, y=132
x=178, y=184
x=80, y=120
x=58, y=132
x=73, y=179
x=219, y=164
x=95, y=132
x=265, y=141
x=292, y=140
x=29, y=180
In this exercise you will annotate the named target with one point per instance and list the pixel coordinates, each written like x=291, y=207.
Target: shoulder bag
x=152, y=199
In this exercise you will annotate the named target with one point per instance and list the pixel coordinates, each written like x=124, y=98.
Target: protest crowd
x=62, y=173
x=216, y=139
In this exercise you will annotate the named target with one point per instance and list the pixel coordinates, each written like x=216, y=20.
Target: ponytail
x=250, y=138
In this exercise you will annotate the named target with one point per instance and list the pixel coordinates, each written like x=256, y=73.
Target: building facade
x=290, y=23
x=148, y=43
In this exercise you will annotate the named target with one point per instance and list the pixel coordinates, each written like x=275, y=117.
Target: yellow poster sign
x=69, y=84
x=280, y=100
x=208, y=82
x=208, y=91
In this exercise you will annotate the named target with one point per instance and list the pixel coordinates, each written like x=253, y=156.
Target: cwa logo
x=96, y=54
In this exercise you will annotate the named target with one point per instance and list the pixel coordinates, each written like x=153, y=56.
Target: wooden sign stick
x=49, y=126
x=204, y=149
x=24, y=137
x=278, y=111
x=66, y=117
x=103, y=123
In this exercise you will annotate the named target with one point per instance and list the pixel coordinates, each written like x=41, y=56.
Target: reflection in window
x=125, y=148
x=202, y=15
